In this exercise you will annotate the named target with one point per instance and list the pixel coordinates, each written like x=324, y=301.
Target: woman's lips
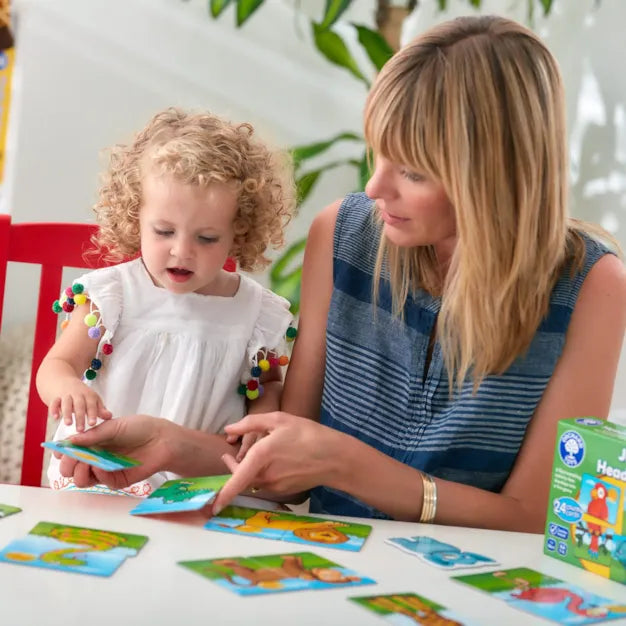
x=391, y=219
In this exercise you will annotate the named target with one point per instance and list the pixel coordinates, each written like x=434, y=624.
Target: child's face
x=186, y=234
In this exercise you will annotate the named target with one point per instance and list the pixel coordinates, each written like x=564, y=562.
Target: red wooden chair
x=53, y=246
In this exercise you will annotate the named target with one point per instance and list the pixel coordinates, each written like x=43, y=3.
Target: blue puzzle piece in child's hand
x=103, y=459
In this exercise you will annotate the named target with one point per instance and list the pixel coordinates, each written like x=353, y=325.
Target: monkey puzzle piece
x=274, y=573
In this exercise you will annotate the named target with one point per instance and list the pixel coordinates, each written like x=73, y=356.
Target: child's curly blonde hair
x=198, y=149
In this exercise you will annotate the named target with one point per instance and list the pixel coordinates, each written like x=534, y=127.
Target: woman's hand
x=294, y=455
x=144, y=438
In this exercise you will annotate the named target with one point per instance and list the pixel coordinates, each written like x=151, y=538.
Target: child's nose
x=181, y=248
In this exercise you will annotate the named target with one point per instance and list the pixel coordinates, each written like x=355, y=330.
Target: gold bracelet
x=429, y=499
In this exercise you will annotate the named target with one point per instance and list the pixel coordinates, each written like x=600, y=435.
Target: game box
x=586, y=508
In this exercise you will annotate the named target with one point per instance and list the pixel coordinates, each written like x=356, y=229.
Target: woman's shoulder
x=355, y=230
x=594, y=262
x=607, y=275
x=355, y=212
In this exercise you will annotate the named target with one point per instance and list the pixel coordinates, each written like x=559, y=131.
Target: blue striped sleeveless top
x=376, y=389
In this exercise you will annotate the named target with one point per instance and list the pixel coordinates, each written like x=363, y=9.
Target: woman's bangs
x=395, y=126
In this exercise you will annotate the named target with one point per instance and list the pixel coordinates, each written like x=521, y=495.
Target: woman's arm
x=298, y=454
x=160, y=445
x=302, y=392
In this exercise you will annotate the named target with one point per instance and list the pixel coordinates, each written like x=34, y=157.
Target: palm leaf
x=377, y=48
x=334, y=8
x=302, y=153
x=332, y=46
x=245, y=8
x=216, y=7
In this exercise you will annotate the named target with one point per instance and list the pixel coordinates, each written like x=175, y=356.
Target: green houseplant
x=378, y=45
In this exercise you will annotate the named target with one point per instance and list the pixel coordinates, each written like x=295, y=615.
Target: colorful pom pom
x=252, y=384
x=273, y=361
x=107, y=348
x=252, y=394
x=283, y=360
x=64, y=324
x=80, y=298
x=68, y=292
x=291, y=333
x=56, y=306
x=264, y=364
x=78, y=288
x=241, y=390
x=96, y=364
x=91, y=319
x=67, y=307
x=261, y=390
x=94, y=332
x=256, y=371
x=90, y=374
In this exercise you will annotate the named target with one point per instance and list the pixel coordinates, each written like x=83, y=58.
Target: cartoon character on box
x=599, y=533
x=599, y=509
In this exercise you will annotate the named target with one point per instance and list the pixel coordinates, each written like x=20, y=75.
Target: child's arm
x=272, y=382
x=59, y=378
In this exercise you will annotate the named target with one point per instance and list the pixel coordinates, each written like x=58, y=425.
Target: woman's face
x=415, y=210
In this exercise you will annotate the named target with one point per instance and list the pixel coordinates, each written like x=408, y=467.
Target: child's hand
x=247, y=441
x=80, y=401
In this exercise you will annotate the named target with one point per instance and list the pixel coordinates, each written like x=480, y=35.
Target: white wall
x=90, y=72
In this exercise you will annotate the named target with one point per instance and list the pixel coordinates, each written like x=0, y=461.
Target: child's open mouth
x=179, y=274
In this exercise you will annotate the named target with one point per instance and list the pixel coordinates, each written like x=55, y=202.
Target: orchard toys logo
x=589, y=421
x=571, y=448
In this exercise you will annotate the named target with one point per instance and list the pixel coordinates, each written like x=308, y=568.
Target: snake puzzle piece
x=73, y=549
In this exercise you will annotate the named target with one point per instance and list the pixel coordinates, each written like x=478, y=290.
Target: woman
x=448, y=325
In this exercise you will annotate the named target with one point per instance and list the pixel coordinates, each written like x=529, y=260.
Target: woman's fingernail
x=217, y=509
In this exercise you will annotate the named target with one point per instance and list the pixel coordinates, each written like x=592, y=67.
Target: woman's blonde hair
x=477, y=104
x=197, y=149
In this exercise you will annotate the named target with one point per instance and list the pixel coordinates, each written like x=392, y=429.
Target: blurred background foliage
x=328, y=37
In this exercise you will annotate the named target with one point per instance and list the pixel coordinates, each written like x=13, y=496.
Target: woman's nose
x=378, y=186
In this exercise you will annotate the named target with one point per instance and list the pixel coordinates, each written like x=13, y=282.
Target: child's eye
x=412, y=176
x=208, y=239
x=163, y=233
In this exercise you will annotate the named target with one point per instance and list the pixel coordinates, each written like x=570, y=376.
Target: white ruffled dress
x=181, y=357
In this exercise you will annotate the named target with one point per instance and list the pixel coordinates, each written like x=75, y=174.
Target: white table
x=152, y=589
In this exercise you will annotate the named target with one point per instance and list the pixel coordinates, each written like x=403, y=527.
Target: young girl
x=172, y=333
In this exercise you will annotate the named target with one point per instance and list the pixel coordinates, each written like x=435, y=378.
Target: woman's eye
x=412, y=176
